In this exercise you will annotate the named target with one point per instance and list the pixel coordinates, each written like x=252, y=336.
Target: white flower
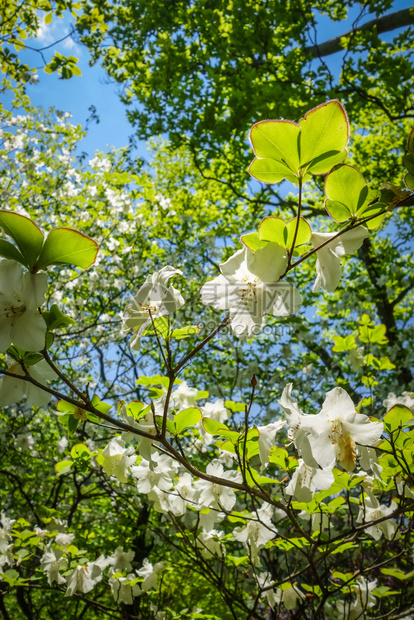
x=121, y=560
x=335, y=431
x=5, y=532
x=215, y=411
x=373, y=511
x=150, y=573
x=24, y=441
x=97, y=567
x=149, y=477
x=266, y=440
x=62, y=444
x=214, y=495
x=12, y=390
x=363, y=590
x=51, y=562
x=80, y=580
x=210, y=544
x=328, y=264
x=118, y=459
x=122, y=590
x=406, y=398
x=296, y=433
x=184, y=396
x=146, y=424
x=257, y=532
x=21, y=294
x=62, y=539
x=264, y=581
x=249, y=288
x=289, y=597
x=306, y=480
x=153, y=297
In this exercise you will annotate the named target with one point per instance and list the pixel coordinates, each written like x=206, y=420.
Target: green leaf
x=170, y=426
x=25, y=233
x=275, y=230
x=69, y=247
x=325, y=162
x=80, y=450
x=63, y=467
x=48, y=18
x=234, y=407
x=303, y=235
x=100, y=405
x=72, y=424
x=344, y=344
x=162, y=325
x=55, y=319
x=408, y=163
x=154, y=380
x=218, y=428
x=277, y=141
x=346, y=185
x=279, y=457
x=371, y=210
x=396, y=573
x=382, y=591
x=7, y=250
x=409, y=181
x=186, y=418
x=410, y=142
x=272, y=229
x=253, y=242
x=137, y=410
x=343, y=547
x=338, y=211
x=270, y=171
x=185, y=332
x=396, y=417
x=323, y=137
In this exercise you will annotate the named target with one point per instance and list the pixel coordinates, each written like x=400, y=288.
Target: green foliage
x=61, y=246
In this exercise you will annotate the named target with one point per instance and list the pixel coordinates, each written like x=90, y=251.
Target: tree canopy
x=206, y=373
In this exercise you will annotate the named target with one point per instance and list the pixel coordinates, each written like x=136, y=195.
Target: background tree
x=197, y=64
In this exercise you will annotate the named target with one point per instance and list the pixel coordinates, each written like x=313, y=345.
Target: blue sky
x=93, y=88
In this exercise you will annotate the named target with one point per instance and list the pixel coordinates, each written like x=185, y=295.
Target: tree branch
x=385, y=23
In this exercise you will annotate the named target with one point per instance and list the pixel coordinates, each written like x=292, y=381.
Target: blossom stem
x=158, y=338
x=290, y=254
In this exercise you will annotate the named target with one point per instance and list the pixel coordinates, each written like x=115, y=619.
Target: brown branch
x=385, y=23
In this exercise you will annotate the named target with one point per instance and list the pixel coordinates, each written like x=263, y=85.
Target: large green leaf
x=274, y=229
x=338, y=211
x=26, y=234
x=349, y=196
x=218, y=428
x=185, y=332
x=253, y=242
x=68, y=246
x=270, y=171
x=7, y=250
x=303, y=232
x=277, y=140
x=408, y=162
x=325, y=162
x=186, y=418
x=409, y=181
x=324, y=135
x=396, y=417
